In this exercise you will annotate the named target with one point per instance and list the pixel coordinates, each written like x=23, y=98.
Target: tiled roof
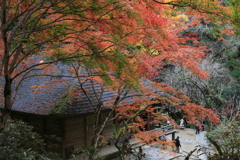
x=27, y=101
x=52, y=93
x=41, y=103
x=46, y=100
x=85, y=105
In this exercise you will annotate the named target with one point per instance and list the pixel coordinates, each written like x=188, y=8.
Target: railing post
x=173, y=136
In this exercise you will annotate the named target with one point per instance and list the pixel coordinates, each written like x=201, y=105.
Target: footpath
x=188, y=139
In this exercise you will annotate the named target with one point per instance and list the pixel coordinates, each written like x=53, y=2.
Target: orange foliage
x=194, y=113
x=150, y=101
x=123, y=41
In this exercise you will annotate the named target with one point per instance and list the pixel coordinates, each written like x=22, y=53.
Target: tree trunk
x=7, y=102
x=5, y=67
x=7, y=94
x=95, y=139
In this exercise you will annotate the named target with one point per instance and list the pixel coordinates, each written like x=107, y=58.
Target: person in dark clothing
x=177, y=144
x=197, y=129
x=203, y=128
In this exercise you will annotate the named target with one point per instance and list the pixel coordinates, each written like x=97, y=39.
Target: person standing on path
x=182, y=123
x=177, y=144
x=168, y=123
x=197, y=129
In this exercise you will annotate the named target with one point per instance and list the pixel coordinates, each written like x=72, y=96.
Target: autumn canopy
x=120, y=42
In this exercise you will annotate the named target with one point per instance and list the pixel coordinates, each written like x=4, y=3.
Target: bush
x=226, y=140
x=19, y=142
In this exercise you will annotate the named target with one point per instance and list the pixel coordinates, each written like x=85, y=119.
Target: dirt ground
x=187, y=139
x=188, y=142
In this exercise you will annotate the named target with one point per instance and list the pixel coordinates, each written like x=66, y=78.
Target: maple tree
x=100, y=32
x=130, y=106
x=27, y=29
x=225, y=10
x=90, y=87
x=133, y=116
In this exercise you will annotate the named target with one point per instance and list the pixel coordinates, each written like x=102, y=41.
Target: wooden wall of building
x=42, y=124
x=74, y=132
x=78, y=132
x=45, y=126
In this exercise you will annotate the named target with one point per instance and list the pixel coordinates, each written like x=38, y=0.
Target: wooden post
x=63, y=136
x=85, y=131
x=173, y=136
x=44, y=124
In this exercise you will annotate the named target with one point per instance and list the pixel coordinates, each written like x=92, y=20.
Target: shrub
x=19, y=142
x=226, y=139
